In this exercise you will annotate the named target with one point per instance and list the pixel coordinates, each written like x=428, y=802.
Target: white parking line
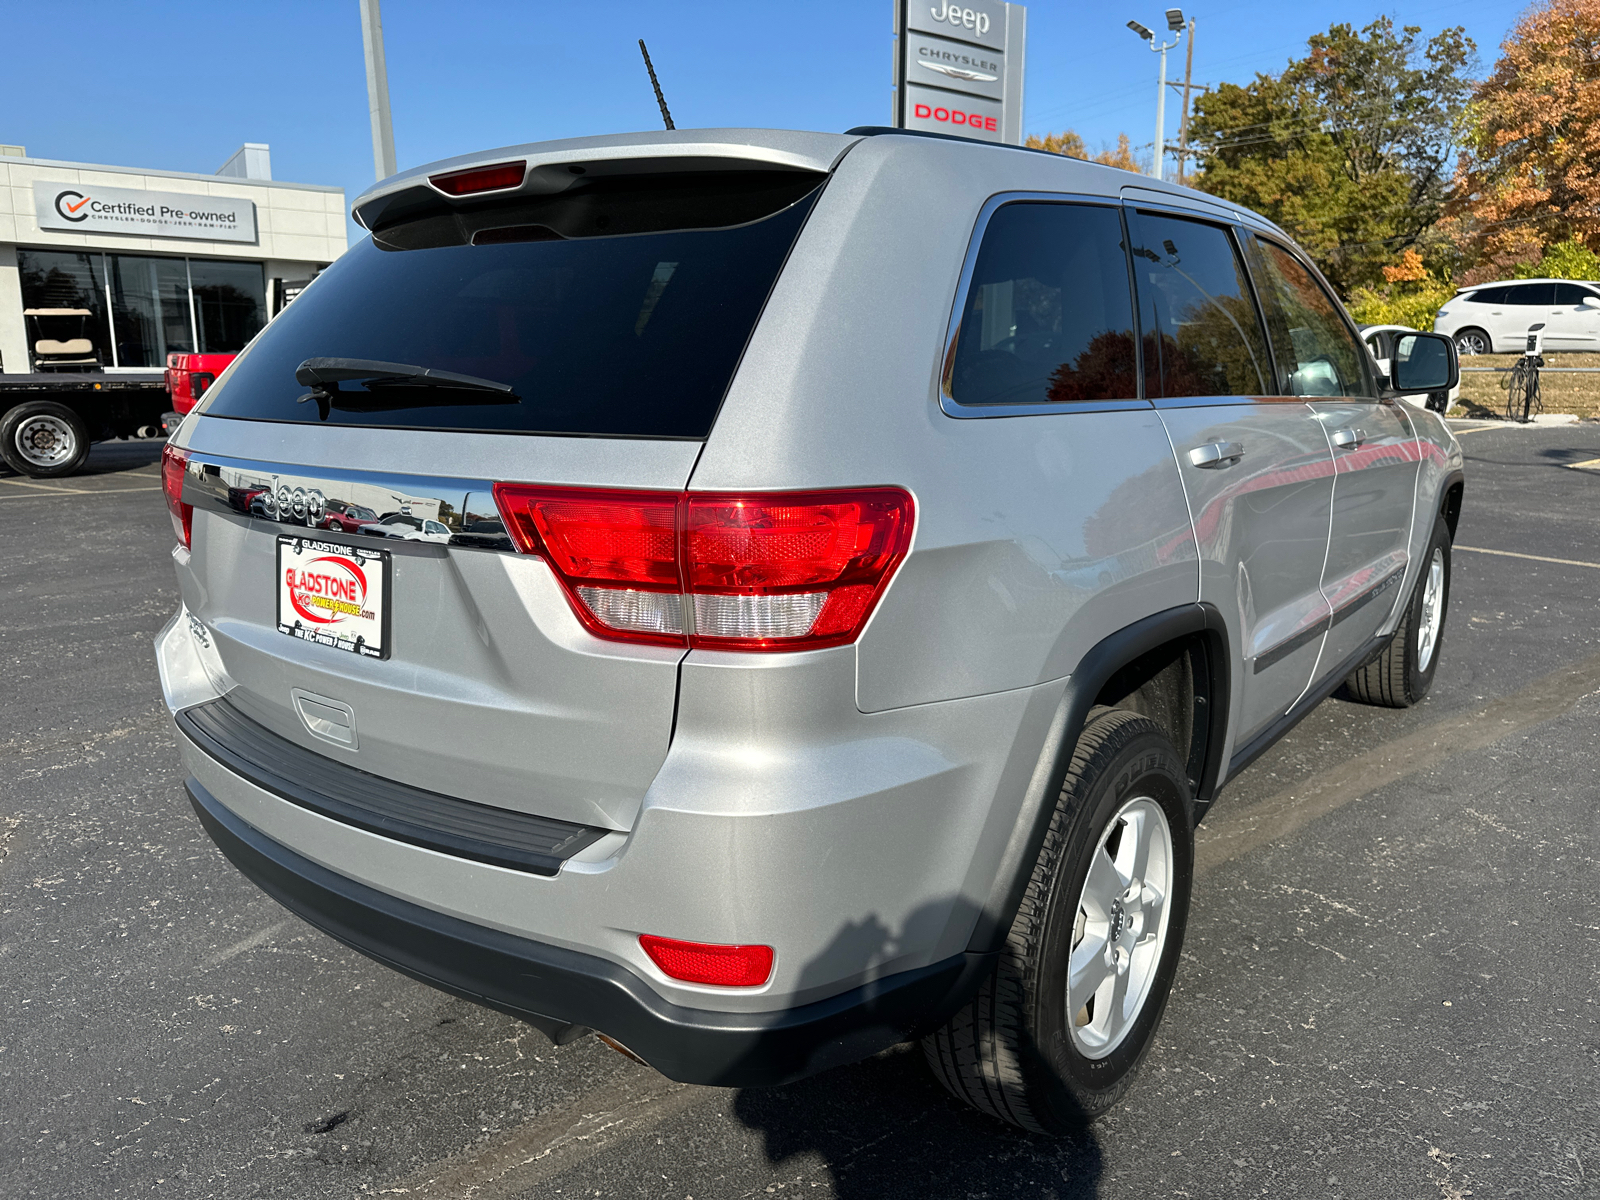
x=74, y=492
x=1565, y=562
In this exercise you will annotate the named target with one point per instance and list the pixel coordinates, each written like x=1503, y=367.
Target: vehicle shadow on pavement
x=108, y=458
x=885, y=1127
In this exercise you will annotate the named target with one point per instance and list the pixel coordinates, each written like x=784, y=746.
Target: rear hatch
x=579, y=323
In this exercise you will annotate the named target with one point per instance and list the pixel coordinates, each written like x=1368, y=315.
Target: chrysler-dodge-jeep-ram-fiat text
x=844, y=608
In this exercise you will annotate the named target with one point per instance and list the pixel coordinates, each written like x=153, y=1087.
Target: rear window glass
x=600, y=321
x=1049, y=313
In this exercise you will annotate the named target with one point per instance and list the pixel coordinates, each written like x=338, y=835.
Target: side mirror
x=1424, y=362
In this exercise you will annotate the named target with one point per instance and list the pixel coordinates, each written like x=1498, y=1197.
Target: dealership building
x=140, y=263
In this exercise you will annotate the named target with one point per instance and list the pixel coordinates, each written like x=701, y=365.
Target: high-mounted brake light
x=174, y=463
x=753, y=571
x=700, y=962
x=480, y=179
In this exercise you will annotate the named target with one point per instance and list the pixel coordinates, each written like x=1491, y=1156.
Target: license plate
x=334, y=595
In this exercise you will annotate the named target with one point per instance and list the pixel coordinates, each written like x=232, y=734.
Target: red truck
x=188, y=377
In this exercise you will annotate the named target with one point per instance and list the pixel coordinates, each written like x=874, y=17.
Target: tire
x=43, y=439
x=1473, y=341
x=1401, y=675
x=1015, y=1052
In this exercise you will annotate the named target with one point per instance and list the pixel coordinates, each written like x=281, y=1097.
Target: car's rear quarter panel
x=1036, y=536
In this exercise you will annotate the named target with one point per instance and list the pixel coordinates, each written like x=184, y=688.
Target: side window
x=1569, y=294
x=1201, y=333
x=1048, y=316
x=1532, y=295
x=1489, y=295
x=1314, y=349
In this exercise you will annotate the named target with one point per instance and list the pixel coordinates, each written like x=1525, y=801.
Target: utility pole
x=377, y=90
x=1183, y=123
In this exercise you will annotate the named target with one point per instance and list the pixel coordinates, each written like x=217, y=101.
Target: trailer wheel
x=43, y=439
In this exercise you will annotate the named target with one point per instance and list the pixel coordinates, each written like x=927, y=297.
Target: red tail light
x=719, y=966
x=480, y=179
x=174, y=463
x=199, y=381
x=760, y=571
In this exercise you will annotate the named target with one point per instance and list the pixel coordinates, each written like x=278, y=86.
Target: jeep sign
x=90, y=208
x=958, y=68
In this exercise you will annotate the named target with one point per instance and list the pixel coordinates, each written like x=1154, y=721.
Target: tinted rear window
x=601, y=322
x=1049, y=314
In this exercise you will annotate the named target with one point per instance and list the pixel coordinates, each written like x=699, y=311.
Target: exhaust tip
x=621, y=1049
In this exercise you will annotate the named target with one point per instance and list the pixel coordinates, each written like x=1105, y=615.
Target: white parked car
x=1380, y=340
x=407, y=528
x=1494, y=317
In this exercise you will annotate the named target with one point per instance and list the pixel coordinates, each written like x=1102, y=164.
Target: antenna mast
x=655, y=83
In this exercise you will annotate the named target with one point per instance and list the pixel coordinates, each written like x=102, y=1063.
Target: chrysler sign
x=89, y=208
x=958, y=68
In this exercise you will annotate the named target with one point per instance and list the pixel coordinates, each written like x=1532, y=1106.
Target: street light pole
x=1161, y=117
x=1175, y=24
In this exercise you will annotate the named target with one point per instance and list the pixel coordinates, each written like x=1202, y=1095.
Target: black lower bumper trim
x=500, y=836
x=554, y=987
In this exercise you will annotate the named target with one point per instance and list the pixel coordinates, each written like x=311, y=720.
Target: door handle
x=1217, y=454
x=1349, y=439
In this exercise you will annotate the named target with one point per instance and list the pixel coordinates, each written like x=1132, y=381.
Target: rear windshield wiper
x=323, y=376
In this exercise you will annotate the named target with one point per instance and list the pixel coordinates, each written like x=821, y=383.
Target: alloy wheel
x=1121, y=927
x=1432, y=610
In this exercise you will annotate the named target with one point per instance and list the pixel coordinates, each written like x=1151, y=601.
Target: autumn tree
x=1070, y=145
x=1531, y=174
x=1350, y=149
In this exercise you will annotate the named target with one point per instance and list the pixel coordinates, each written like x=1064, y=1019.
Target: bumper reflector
x=700, y=962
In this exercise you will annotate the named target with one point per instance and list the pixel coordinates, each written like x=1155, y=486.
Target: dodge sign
x=958, y=68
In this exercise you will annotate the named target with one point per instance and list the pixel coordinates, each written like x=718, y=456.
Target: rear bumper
x=553, y=987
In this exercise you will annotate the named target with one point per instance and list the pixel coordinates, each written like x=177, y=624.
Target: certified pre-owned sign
x=89, y=208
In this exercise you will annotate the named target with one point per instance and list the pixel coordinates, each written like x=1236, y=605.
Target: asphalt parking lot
x=1389, y=986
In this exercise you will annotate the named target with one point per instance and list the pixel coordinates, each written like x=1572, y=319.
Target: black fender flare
x=1102, y=661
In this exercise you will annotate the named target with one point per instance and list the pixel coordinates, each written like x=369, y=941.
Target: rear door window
x=1202, y=336
x=1532, y=295
x=614, y=309
x=1049, y=312
x=1316, y=353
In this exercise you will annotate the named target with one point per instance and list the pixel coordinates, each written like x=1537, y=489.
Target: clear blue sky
x=178, y=85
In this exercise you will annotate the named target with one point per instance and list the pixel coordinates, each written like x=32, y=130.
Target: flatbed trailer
x=48, y=419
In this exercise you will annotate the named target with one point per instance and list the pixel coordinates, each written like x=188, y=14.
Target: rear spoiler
x=552, y=167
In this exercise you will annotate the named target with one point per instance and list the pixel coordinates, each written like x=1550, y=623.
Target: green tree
x=1351, y=149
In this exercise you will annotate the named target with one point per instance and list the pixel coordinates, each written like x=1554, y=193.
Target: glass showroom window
x=143, y=307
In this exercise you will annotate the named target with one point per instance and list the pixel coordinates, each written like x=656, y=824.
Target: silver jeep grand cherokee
x=817, y=585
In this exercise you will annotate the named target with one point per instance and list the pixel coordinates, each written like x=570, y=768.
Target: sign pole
x=377, y=90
